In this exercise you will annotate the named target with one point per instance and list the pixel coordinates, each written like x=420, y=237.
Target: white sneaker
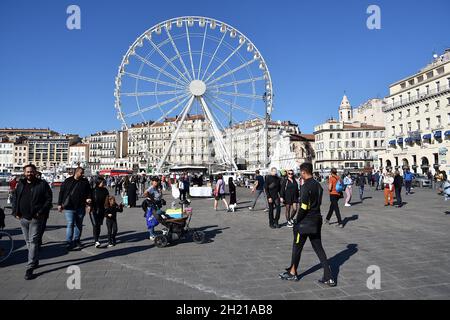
x=97, y=244
x=290, y=225
x=348, y=205
x=110, y=245
x=152, y=238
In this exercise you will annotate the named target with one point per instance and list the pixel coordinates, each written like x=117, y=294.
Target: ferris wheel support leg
x=175, y=135
x=217, y=134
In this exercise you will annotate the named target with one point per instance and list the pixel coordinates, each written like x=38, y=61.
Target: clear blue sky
x=53, y=77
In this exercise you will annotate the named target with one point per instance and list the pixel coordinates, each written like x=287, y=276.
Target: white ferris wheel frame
x=196, y=82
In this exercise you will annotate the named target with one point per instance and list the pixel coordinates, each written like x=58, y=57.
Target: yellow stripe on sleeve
x=304, y=206
x=298, y=238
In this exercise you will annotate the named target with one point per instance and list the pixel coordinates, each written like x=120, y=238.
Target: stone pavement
x=242, y=256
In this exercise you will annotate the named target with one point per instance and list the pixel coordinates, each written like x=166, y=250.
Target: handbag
x=309, y=225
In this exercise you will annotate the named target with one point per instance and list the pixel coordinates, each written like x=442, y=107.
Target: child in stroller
x=174, y=228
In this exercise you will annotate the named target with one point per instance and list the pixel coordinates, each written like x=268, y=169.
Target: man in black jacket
x=31, y=203
x=273, y=187
x=74, y=195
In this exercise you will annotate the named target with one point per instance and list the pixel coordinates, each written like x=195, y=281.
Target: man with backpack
x=335, y=188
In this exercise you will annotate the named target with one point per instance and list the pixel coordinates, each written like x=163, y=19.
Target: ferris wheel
x=193, y=65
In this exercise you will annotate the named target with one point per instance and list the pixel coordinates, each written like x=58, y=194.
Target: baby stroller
x=177, y=228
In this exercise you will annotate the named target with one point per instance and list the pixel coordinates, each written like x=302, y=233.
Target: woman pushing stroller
x=152, y=206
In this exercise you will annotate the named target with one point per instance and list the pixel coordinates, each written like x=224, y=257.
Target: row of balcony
x=418, y=138
x=422, y=96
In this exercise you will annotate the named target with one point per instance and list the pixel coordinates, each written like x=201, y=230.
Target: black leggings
x=275, y=203
x=291, y=210
x=112, y=230
x=316, y=242
x=334, y=206
x=96, y=221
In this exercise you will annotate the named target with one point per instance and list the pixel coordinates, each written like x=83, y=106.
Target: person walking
x=389, y=189
x=273, y=189
x=219, y=193
x=258, y=189
x=440, y=179
x=119, y=186
x=181, y=187
x=186, y=186
x=348, y=182
x=232, y=190
x=74, y=195
x=31, y=203
x=289, y=195
x=334, y=198
x=398, y=184
x=111, y=209
x=132, y=191
x=309, y=212
x=377, y=180
x=360, y=182
x=408, y=178
x=97, y=209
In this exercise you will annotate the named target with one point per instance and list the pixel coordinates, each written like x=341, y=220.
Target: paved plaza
x=242, y=257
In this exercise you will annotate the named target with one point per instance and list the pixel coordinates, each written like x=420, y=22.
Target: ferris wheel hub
x=197, y=88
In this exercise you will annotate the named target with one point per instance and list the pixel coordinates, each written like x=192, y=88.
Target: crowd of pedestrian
x=300, y=194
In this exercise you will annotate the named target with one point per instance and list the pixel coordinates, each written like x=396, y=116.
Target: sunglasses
x=291, y=173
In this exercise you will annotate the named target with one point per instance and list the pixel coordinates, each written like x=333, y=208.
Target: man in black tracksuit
x=273, y=187
x=311, y=199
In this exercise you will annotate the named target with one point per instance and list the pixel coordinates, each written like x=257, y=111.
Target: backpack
x=340, y=186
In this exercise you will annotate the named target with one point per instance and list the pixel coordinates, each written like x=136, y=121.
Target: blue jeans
x=361, y=192
x=74, y=219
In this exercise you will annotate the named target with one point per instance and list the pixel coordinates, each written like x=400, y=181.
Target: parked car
x=421, y=181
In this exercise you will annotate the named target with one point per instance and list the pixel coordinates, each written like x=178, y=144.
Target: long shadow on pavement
x=335, y=262
x=348, y=219
x=102, y=255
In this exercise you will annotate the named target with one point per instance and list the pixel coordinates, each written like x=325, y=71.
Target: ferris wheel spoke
x=228, y=114
x=225, y=61
x=152, y=93
x=178, y=53
x=232, y=71
x=165, y=114
x=238, y=107
x=169, y=62
x=185, y=111
x=241, y=95
x=190, y=52
x=217, y=134
x=157, y=105
x=139, y=77
x=214, y=54
x=232, y=83
x=159, y=69
x=201, y=54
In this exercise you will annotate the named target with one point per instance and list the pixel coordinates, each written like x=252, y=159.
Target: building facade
x=147, y=143
x=104, y=148
x=78, y=155
x=6, y=156
x=20, y=156
x=246, y=140
x=350, y=142
x=48, y=152
x=418, y=120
